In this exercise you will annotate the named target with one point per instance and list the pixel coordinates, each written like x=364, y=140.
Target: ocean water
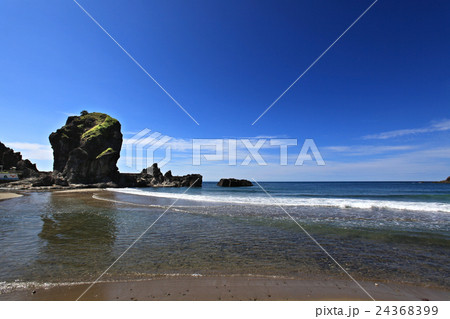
x=380, y=231
x=425, y=197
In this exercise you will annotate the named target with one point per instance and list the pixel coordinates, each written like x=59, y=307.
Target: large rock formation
x=232, y=182
x=152, y=177
x=86, y=149
x=10, y=159
x=85, y=153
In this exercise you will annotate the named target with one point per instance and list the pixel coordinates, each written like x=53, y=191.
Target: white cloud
x=401, y=162
x=364, y=150
x=32, y=151
x=427, y=164
x=443, y=125
x=69, y=114
x=185, y=144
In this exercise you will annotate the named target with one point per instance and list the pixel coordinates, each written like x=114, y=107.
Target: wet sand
x=4, y=196
x=79, y=190
x=229, y=288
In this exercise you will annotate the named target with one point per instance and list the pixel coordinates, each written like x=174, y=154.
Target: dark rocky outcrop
x=445, y=181
x=86, y=149
x=152, y=177
x=232, y=182
x=190, y=180
x=13, y=160
x=46, y=179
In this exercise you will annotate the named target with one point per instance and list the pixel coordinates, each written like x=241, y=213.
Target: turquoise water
x=377, y=231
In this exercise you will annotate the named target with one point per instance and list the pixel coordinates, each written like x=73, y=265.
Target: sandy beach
x=4, y=195
x=80, y=190
x=228, y=288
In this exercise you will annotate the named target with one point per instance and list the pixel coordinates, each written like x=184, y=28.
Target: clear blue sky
x=226, y=62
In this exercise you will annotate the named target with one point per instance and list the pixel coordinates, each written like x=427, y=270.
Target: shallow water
x=49, y=237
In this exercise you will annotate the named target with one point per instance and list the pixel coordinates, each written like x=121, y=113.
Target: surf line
x=94, y=196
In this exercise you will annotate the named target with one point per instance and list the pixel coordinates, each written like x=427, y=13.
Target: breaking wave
x=261, y=199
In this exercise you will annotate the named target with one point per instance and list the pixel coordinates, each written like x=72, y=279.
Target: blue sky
x=376, y=104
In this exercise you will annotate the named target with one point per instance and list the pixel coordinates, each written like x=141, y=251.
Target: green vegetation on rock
x=109, y=150
x=102, y=123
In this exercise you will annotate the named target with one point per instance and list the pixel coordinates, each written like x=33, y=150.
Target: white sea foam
x=257, y=199
x=6, y=287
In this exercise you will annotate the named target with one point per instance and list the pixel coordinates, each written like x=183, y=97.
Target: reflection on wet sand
x=76, y=241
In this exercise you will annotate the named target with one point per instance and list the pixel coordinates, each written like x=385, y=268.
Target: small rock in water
x=232, y=182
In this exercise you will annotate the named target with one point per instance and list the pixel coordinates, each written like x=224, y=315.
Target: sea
x=376, y=231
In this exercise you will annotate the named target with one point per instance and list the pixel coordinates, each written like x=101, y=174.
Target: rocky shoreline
x=13, y=160
x=445, y=181
x=151, y=177
x=85, y=154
